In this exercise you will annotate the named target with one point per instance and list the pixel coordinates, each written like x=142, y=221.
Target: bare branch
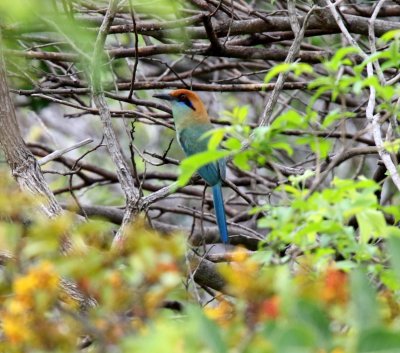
x=125, y=178
x=23, y=164
x=56, y=154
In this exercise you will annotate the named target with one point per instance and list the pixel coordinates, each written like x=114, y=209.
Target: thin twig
x=136, y=49
x=56, y=154
x=291, y=56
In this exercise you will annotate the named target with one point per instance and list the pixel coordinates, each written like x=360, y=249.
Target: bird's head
x=185, y=105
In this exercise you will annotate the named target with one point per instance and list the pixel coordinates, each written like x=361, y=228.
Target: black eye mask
x=185, y=100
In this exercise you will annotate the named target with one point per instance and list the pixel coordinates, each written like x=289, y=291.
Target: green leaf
x=395, y=33
x=296, y=68
x=379, y=340
x=313, y=316
x=318, y=145
x=340, y=58
x=242, y=114
x=323, y=146
x=390, y=279
x=394, y=251
x=241, y=160
x=216, y=137
x=280, y=145
x=238, y=115
x=289, y=120
x=345, y=265
x=336, y=114
x=232, y=144
x=372, y=224
x=208, y=331
x=191, y=164
x=365, y=311
x=297, y=179
x=294, y=339
x=392, y=146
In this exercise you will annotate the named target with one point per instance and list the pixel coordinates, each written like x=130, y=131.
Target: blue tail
x=220, y=212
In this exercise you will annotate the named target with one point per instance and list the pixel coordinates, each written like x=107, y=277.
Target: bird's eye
x=184, y=99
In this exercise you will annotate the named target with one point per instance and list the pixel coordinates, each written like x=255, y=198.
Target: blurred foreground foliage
x=268, y=304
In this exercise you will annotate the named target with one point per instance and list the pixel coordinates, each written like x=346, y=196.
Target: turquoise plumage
x=192, y=122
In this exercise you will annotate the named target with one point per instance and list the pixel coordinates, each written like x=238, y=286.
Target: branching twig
x=56, y=154
x=291, y=56
x=125, y=178
x=372, y=118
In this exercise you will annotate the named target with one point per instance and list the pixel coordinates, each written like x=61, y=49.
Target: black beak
x=164, y=96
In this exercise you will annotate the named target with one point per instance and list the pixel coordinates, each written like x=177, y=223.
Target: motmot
x=191, y=123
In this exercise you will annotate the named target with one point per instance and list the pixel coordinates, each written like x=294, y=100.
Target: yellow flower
x=24, y=287
x=16, y=307
x=338, y=350
x=42, y=277
x=45, y=275
x=242, y=275
x=239, y=254
x=15, y=328
x=222, y=313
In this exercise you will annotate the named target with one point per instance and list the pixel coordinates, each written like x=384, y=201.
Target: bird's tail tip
x=220, y=213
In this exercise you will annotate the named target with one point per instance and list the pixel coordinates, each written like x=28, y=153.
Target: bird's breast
x=192, y=139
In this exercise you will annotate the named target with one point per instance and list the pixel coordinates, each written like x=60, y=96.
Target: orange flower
x=115, y=279
x=167, y=267
x=270, y=308
x=335, y=287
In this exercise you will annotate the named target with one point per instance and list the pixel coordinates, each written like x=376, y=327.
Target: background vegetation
x=113, y=247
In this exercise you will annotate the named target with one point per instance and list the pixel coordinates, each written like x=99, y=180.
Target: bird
x=191, y=123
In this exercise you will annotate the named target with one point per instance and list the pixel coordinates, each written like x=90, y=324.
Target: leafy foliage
x=328, y=300
x=320, y=305
x=326, y=278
